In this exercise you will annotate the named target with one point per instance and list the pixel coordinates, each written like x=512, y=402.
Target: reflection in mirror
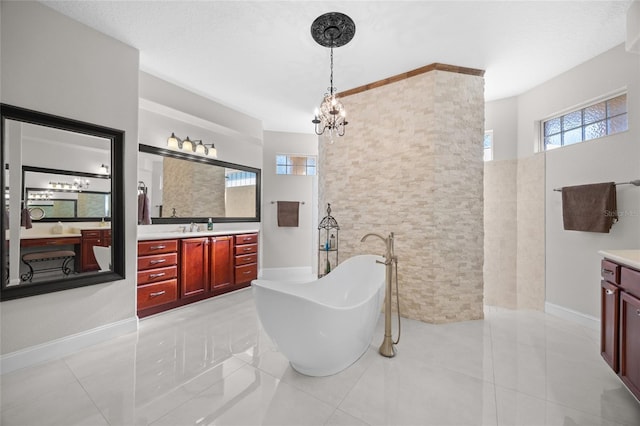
x=181, y=188
x=66, y=195
x=65, y=220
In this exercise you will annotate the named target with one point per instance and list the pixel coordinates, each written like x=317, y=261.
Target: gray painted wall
x=53, y=64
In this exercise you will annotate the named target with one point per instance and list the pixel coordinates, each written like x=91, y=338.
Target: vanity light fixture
x=200, y=148
x=212, y=152
x=192, y=146
x=77, y=185
x=187, y=145
x=173, y=142
x=331, y=30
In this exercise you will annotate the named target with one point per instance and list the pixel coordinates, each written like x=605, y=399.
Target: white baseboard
x=66, y=345
x=286, y=274
x=571, y=315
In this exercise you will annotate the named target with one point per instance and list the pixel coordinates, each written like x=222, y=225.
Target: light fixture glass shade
x=187, y=145
x=212, y=152
x=173, y=142
x=200, y=148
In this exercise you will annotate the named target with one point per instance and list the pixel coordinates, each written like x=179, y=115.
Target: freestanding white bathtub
x=324, y=326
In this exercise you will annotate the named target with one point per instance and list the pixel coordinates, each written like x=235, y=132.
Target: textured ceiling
x=259, y=58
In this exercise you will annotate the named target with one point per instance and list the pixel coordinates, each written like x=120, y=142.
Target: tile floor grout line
x=87, y=393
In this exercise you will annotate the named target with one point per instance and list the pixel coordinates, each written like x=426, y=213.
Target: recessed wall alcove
x=411, y=163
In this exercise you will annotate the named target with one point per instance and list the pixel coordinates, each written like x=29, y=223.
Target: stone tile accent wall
x=206, y=195
x=500, y=233
x=514, y=245
x=531, y=233
x=411, y=163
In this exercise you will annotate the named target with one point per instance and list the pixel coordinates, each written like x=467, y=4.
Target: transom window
x=239, y=178
x=488, y=145
x=302, y=165
x=594, y=121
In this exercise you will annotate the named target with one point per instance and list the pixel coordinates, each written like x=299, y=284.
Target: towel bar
x=633, y=182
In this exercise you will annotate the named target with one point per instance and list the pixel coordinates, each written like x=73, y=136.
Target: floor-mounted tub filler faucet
x=387, y=349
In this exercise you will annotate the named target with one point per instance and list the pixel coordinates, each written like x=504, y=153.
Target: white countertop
x=145, y=236
x=626, y=257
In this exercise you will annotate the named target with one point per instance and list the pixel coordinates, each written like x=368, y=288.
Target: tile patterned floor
x=210, y=363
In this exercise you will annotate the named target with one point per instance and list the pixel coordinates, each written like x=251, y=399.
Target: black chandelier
x=331, y=30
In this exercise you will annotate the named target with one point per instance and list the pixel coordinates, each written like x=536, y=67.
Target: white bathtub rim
x=260, y=283
x=282, y=285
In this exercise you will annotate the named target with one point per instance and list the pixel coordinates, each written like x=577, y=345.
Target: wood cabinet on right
x=620, y=322
x=630, y=330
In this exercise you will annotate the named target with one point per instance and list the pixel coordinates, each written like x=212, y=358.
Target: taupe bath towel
x=590, y=208
x=288, y=213
x=144, y=213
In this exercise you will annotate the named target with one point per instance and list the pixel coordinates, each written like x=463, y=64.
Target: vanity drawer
x=246, y=273
x=157, y=274
x=246, y=249
x=246, y=239
x=610, y=271
x=157, y=294
x=157, y=247
x=246, y=259
x=86, y=233
x=630, y=281
x=159, y=260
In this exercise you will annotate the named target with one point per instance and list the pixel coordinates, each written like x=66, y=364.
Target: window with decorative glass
x=594, y=121
x=301, y=165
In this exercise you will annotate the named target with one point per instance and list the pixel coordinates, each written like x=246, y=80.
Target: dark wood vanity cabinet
x=90, y=238
x=200, y=268
x=246, y=258
x=194, y=266
x=620, y=322
x=157, y=274
x=221, y=262
x=610, y=329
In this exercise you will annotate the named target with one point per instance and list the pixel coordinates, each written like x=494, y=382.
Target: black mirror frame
x=184, y=156
x=116, y=137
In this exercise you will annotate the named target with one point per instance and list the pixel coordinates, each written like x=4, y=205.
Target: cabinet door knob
x=638, y=312
x=157, y=293
x=155, y=262
x=608, y=292
x=161, y=274
x=607, y=271
x=157, y=247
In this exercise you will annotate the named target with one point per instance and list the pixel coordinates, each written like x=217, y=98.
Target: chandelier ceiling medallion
x=331, y=30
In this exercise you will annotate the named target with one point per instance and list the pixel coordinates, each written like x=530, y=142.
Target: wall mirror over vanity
x=63, y=194
x=182, y=188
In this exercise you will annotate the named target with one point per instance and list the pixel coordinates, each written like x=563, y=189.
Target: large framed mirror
x=63, y=223
x=177, y=187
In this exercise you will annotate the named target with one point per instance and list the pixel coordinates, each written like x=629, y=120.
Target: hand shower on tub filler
x=387, y=347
